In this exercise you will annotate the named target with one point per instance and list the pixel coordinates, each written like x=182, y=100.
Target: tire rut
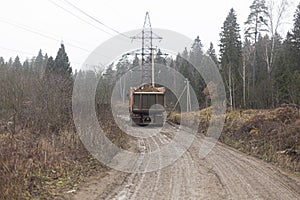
x=224, y=173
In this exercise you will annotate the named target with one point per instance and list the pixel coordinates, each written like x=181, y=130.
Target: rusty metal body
x=147, y=105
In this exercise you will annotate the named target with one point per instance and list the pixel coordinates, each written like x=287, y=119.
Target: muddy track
x=224, y=174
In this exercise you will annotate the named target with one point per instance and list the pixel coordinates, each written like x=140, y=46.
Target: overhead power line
x=26, y=28
x=74, y=15
x=96, y=20
x=31, y=30
x=45, y=35
x=29, y=53
x=17, y=51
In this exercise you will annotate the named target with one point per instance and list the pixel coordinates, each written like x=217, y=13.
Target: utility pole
x=147, y=51
x=152, y=68
x=188, y=96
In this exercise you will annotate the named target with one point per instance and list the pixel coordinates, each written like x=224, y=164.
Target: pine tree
x=257, y=19
x=256, y=23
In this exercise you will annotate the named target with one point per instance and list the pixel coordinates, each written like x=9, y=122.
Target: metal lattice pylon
x=147, y=50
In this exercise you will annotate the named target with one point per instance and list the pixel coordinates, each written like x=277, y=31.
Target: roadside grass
x=272, y=135
x=36, y=165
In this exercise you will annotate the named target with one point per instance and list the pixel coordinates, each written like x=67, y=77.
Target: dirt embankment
x=272, y=135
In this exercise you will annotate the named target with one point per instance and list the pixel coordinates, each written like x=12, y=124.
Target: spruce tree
x=38, y=61
x=196, y=59
x=212, y=54
x=230, y=50
x=183, y=63
x=296, y=29
x=2, y=62
x=282, y=82
x=159, y=59
x=61, y=62
x=122, y=66
x=293, y=41
x=10, y=62
x=50, y=65
x=196, y=52
x=17, y=63
x=26, y=65
x=135, y=62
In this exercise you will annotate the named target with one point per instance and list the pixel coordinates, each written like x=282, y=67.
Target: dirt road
x=224, y=174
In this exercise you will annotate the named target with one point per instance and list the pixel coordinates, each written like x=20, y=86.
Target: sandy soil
x=224, y=174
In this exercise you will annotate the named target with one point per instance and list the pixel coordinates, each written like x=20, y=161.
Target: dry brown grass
x=272, y=135
x=36, y=166
x=45, y=166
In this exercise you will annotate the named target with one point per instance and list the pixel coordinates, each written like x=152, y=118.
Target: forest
x=260, y=71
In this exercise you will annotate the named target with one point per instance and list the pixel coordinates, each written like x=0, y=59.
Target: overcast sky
x=53, y=24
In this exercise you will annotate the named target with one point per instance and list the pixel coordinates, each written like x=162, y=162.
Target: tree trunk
x=244, y=80
x=230, y=87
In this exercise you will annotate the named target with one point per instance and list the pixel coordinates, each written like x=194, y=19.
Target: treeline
x=260, y=71
x=263, y=70
x=42, y=157
x=37, y=93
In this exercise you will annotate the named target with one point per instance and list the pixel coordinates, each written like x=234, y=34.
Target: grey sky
x=189, y=17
